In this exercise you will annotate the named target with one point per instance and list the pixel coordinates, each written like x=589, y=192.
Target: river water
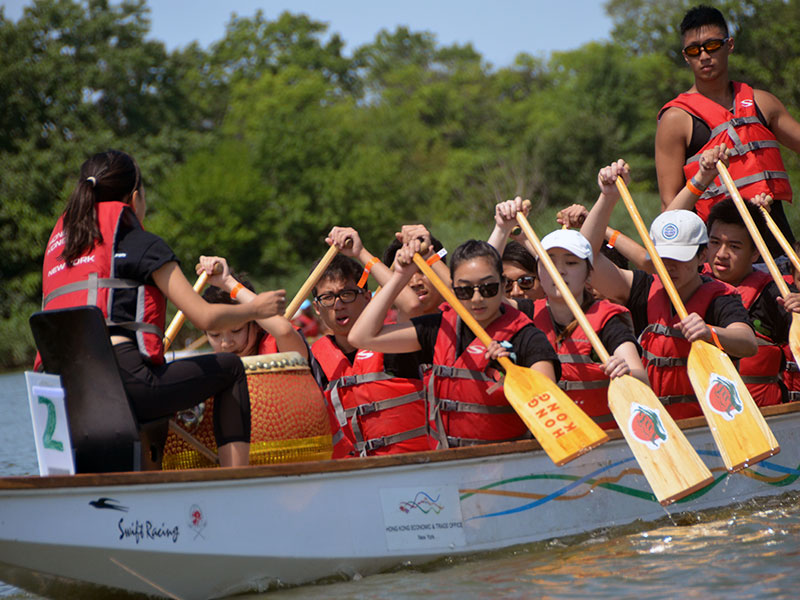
x=747, y=552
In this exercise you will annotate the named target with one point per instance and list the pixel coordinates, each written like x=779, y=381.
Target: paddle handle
x=179, y=319
x=312, y=280
x=451, y=299
x=776, y=231
x=576, y=309
x=751, y=227
x=666, y=280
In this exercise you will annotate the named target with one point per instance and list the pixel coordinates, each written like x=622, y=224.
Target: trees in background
x=255, y=147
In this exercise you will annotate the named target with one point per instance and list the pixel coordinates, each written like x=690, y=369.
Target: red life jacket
x=665, y=350
x=267, y=345
x=91, y=280
x=582, y=378
x=762, y=372
x=756, y=164
x=380, y=413
x=466, y=406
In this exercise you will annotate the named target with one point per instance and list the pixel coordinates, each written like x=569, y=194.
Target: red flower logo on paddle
x=646, y=426
x=723, y=397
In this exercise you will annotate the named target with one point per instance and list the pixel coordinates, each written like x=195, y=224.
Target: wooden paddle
x=783, y=288
x=179, y=319
x=669, y=463
x=313, y=279
x=784, y=243
x=738, y=427
x=563, y=430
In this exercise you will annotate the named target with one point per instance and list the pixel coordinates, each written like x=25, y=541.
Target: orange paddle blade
x=739, y=429
x=669, y=463
x=564, y=430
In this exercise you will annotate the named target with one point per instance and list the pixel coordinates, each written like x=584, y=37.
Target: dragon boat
x=210, y=533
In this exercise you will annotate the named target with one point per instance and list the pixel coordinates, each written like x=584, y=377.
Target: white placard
x=50, y=426
x=422, y=517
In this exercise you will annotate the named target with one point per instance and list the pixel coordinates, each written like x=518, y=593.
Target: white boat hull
x=212, y=533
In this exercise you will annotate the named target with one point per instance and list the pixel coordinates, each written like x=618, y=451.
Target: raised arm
x=174, y=285
x=369, y=331
x=406, y=300
x=780, y=122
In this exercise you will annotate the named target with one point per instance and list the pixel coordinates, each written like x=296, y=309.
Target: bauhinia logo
x=646, y=426
x=723, y=397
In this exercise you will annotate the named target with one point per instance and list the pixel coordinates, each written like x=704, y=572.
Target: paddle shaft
x=179, y=319
x=784, y=243
x=312, y=280
x=753, y=229
x=666, y=280
x=565, y=292
x=451, y=299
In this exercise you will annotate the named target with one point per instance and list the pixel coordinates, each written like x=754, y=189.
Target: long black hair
x=105, y=177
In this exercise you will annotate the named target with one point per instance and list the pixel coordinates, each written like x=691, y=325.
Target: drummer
x=99, y=254
x=716, y=314
x=379, y=398
x=265, y=336
x=467, y=403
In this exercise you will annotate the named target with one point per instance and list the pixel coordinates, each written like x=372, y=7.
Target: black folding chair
x=106, y=436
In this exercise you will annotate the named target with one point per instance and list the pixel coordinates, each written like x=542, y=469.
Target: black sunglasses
x=525, y=283
x=709, y=46
x=487, y=290
x=346, y=296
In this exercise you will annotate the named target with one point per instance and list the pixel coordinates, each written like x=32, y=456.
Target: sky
x=497, y=29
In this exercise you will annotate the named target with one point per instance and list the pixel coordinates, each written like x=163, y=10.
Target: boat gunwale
x=32, y=482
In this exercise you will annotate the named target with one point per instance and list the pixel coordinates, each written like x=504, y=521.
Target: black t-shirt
x=529, y=343
x=617, y=330
x=768, y=317
x=137, y=255
x=722, y=311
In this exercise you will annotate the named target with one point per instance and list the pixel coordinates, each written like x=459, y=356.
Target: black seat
x=106, y=437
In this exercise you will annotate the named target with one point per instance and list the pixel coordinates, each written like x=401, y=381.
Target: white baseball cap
x=678, y=234
x=570, y=240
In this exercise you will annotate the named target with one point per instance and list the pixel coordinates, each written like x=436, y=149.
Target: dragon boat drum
x=289, y=418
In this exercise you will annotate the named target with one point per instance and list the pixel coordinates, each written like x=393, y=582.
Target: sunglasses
x=525, y=283
x=709, y=46
x=487, y=290
x=346, y=296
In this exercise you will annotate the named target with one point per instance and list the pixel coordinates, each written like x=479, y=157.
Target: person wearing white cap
x=583, y=377
x=716, y=314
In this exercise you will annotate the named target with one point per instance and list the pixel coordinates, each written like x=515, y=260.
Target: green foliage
x=255, y=147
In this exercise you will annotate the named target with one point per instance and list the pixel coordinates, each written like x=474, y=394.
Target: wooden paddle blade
x=739, y=429
x=669, y=463
x=564, y=430
x=794, y=337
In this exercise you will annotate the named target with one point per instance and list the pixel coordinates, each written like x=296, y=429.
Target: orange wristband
x=436, y=257
x=693, y=188
x=236, y=289
x=367, y=268
x=613, y=239
x=715, y=337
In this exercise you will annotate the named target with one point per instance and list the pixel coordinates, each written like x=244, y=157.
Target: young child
x=731, y=254
x=378, y=398
x=715, y=310
x=265, y=336
x=466, y=404
x=583, y=377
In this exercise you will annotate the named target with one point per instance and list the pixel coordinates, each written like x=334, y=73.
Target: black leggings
x=157, y=392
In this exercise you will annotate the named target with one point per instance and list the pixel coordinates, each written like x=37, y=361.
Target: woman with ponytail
x=99, y=254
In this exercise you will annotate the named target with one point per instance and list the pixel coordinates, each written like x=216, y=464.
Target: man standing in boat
x=716, y=110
